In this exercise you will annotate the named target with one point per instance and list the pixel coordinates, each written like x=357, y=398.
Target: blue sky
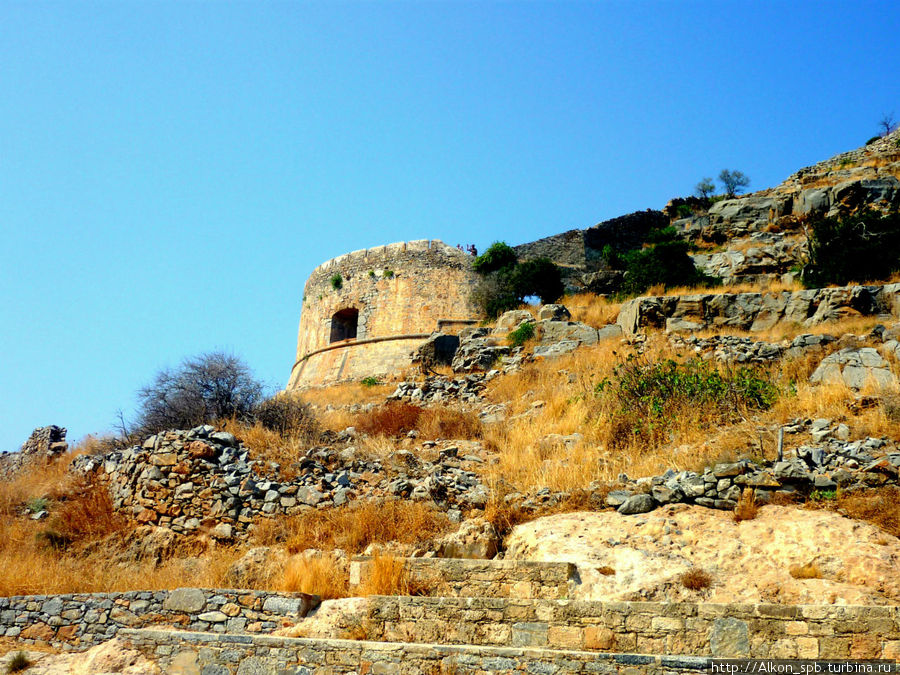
x=171, y=172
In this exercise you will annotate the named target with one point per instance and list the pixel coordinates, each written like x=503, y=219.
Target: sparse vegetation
x=521, y=335
x=844, y=248
x=354, y=528
x=204, y=389
x=746, y=508
x=389, y=576
x=388, y=274
x=705, y=188
x=336, y=281
x=370, y=381
x=18, y=663
x=733, y=181
x=696, y=579
x=319, y=575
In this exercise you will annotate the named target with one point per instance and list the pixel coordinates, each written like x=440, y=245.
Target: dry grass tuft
x=345, y=393
x=696, y=579
x=269, y=446
x=746, y=508
x=392, y=419
x=318, y=575
x=449, y=423
x=86, y=514
x=390, y=576
x=592, y=309
x=354, y=528
x=808, y=571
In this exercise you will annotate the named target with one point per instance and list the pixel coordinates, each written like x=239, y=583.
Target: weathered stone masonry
x=83, y=619
x=365, y=312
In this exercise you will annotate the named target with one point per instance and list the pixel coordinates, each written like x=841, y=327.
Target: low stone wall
x=228, y=654
x=721, y=630
x=84, y=619
x=457, y=577
x=757, y=311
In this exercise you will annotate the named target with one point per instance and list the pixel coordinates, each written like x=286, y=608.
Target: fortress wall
x=400, y=291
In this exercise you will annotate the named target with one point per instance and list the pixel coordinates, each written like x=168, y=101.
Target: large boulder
x=477, y=350
x=475, y=538
x=854, y=367
x=643, y=556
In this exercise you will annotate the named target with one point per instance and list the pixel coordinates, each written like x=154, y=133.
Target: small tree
x=705, y=188
x=887, y=124
x=203, y=389
x=733, y=181
x=540, y=277
x=498, y=256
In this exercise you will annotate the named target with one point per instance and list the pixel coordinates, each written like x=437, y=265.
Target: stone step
x=181, y=653
x=704, y=629
x=458, y=577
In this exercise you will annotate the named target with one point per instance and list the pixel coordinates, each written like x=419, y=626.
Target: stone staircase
x=513, y=616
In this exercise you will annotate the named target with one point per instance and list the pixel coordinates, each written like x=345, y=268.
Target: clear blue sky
x=171, y=172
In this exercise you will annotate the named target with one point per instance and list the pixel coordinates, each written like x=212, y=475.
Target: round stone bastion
x=366, y=312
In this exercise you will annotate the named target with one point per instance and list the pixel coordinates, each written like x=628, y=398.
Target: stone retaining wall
x=721, y=630
x=757, y=311
x=84, y=619
x=213, y=654
x=456, y=577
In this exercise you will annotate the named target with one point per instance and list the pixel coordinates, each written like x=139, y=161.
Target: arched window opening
x=343, y=324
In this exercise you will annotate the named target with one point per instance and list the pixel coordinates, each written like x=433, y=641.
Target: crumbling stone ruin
x=44, y=444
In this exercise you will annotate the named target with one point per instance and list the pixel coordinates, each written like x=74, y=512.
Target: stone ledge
x=232, y=653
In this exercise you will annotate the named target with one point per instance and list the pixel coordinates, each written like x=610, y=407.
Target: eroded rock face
x=476, y=538
x=749, y=561
x=855, y=367
x=109, y=657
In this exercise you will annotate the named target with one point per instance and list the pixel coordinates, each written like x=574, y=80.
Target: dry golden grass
x=28, y=567
x=317, y=575
x=567, y=388
x=354, y=528
x=390, y=576
x=345, y=393
x=592, y=309
x=266, y=445
x=775, y=286
x=746, y=508
x=808, y=571
x=881, y=507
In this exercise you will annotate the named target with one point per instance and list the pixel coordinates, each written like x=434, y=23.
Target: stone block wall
x=720, y=630
x=84, y=619
x=400, y=291
x=213, y=654
x=456, y=577
x=757, y=311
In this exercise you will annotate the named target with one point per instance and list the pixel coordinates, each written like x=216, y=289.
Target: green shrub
x=522, y=334
x=684, y=211
x=873, y=139
x=372, y=274
x=18, y=663
x=37, y=504
x=665, y=262
x=388, y=274
x=505, y=282
x=337, y=282
x=649, y=398
x=498, y=256
x=370, y=381
x=846, y=248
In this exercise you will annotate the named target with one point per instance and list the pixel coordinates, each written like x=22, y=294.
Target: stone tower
x=364, y=313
